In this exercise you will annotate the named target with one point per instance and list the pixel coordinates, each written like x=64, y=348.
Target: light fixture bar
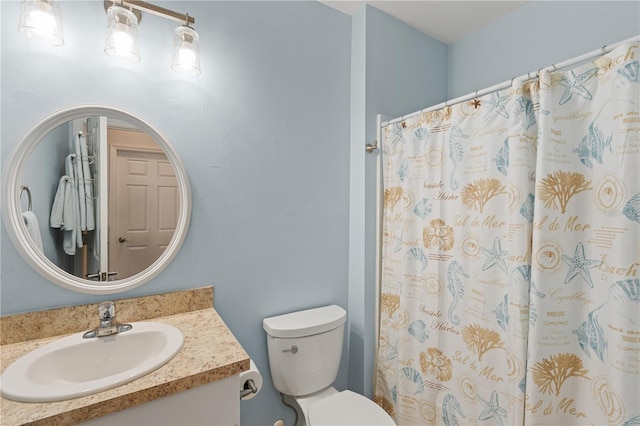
x=157, y=10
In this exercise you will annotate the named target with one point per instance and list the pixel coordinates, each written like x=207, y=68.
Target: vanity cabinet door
x=216, y=403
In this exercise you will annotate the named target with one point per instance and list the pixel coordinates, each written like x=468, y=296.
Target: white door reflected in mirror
x=144, y=218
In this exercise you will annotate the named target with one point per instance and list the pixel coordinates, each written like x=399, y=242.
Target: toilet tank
x=305, y=349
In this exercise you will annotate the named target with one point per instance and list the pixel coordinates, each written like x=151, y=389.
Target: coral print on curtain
x=584, y=362
x=458, y=214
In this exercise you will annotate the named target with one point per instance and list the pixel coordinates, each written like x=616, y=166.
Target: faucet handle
x=108, y=324
x=107, y=311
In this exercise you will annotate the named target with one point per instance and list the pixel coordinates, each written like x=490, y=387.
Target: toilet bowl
x=304, y=355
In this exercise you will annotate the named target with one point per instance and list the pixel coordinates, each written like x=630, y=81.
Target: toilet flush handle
x=293, y=349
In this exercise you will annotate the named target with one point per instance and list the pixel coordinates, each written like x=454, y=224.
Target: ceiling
x=446, y=21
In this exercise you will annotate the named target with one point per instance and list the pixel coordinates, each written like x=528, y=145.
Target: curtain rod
x=528, y=76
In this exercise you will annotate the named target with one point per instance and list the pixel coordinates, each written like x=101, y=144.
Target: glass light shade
x=41, y=20
x=122, y=34
x=186, y=50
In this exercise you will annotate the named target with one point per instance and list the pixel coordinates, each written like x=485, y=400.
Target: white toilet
x=304, y=355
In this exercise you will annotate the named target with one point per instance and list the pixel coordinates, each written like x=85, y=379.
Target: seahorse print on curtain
x=456, y=287
x=455, y=153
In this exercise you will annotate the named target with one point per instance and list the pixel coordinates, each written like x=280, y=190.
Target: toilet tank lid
x=305, y=323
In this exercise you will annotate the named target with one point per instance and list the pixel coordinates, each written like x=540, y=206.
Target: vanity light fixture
x=41, y=20
x=122, y=34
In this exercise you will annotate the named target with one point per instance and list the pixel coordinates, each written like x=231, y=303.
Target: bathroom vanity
x=200, y=385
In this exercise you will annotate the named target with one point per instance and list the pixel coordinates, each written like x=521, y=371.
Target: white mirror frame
x=17, y=230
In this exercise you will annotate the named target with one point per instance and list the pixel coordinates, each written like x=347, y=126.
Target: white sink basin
x=73, y=366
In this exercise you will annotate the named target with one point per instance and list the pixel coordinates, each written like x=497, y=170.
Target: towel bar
x=25, y=188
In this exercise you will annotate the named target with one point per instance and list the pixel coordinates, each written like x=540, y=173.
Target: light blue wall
x=264, y=135
x=395, y=70
x=535, y=36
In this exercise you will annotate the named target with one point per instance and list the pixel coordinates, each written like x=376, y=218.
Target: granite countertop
x=210, y=352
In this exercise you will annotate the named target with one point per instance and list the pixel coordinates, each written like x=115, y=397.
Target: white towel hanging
x=33, y=229
x=57, y=209
x=71, y=233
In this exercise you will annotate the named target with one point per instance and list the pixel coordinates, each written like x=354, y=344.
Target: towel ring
x=25, y=188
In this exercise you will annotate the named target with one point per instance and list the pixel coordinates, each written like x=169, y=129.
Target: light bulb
x=122, y=40
x=187, y=58
x=41, y=21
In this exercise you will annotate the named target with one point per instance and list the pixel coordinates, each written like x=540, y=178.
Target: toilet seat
x=348, y=408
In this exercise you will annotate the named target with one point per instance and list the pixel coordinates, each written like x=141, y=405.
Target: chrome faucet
x=108, y=324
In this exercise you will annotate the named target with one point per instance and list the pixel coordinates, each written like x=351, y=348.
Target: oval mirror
x=96, y=200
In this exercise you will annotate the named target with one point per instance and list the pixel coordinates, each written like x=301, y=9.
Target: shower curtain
x=511, y=254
